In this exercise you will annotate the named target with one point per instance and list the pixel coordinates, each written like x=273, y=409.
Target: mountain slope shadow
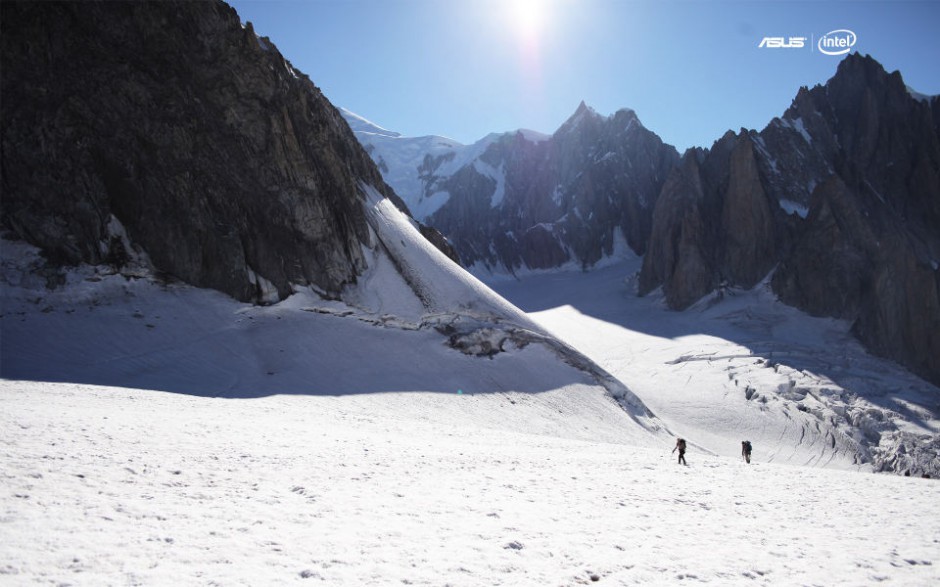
x=769, y=351
x=139, y=333
x=755, y=319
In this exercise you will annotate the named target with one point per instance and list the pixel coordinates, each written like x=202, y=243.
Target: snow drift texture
x=111, y=486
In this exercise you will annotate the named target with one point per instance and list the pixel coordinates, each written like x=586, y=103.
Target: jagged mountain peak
x=858, y=64
x=583, y=108
x=625, y=113
x=533, y=136
x=868, y=71
x=729, y=137
x=856, y=73
x=859, y=253
x=920, y=97
x=581, y=115
x=624, y=119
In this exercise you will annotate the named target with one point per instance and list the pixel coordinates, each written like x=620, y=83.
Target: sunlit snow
x=153, y=433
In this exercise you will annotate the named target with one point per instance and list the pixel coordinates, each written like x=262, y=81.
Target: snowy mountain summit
x=359, y=124
x=520, y=201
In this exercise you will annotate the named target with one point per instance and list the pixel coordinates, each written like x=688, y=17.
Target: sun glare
x=529, y=16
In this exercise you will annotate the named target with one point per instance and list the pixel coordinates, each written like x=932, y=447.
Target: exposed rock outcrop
x=841, y=194
x=680, y=256
x=437, y=239
x=713, y=224
x=173, y=122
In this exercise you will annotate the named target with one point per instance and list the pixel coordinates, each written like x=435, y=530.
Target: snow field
x=743, y=366
x=153, y=433
x=121, y=486
x=200, y=343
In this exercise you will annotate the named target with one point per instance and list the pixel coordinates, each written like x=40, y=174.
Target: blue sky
x=690, y=69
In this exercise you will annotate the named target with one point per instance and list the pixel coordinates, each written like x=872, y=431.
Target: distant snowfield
x=742, y=366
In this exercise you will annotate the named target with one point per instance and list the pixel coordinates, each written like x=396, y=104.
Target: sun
x=528, y=16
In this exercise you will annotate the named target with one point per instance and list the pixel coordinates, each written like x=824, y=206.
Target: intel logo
x=837, y=42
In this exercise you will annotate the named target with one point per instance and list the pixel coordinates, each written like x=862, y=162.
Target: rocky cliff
x=713, y=225
x=839, y=198
x=169, y=129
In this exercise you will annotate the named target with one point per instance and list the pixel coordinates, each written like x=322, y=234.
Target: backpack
x=747, y=446
x=681, y=444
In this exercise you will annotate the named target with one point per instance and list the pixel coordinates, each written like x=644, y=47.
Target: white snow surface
x=153, y=433
x=359, y=124
x=107, y=486
x=401, y=159
x=442, y=286
x=393, y=331
x=739, y=365
x=797, y=125
x=498, y=176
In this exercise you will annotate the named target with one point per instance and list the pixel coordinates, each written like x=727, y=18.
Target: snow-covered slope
x=740, y=365
x=415, y=322
x=116, y=486
x=359, y=124
x=154, y=432
x=415, y=167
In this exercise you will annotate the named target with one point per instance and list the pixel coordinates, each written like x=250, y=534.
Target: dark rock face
x=437, y=239
x=229, y=168
x=841, y=195
x=542, y=203
x=713, y=224
x=832, y=256
x=680, y=256
x=747, y=225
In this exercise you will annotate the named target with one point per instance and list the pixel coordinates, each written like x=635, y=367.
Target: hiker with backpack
x=680, y=445
x=746, y=450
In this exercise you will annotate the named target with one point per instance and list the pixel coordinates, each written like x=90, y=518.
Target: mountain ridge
x=848, y=182
x=521, y=200
x=731, y=213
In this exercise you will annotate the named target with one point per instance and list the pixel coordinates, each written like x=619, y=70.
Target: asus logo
x=782, y=43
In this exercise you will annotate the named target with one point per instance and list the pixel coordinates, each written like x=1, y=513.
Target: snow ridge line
x=620, y=392
x=466, y=332
x=485, y=321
